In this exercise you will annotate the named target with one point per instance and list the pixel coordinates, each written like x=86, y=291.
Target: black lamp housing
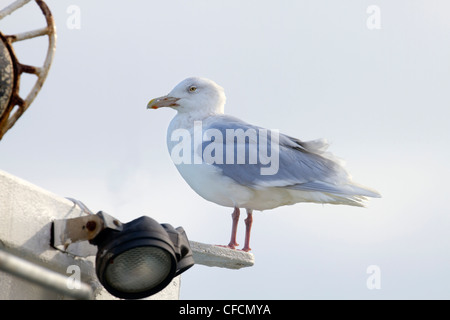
x=141, y=258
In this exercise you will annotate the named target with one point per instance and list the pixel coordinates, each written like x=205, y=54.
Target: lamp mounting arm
x=85, y=228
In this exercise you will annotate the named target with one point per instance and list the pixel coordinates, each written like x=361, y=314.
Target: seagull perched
x=239, y=165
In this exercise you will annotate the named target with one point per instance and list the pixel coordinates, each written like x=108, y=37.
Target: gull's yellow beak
x=164, y=101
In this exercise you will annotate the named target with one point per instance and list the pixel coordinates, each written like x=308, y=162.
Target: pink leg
x=235, y=217
x=248, y=228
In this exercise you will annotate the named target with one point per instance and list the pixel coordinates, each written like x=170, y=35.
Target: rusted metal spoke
x=12, y=7
x=30, y=34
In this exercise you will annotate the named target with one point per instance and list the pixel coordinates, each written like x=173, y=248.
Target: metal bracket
x=66, y=232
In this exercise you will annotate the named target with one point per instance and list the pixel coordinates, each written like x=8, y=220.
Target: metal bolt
x=91, y=225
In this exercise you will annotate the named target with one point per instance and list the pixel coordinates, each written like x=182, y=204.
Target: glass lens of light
x=138, y=269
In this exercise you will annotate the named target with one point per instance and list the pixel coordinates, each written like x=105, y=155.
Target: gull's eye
x=192, y=89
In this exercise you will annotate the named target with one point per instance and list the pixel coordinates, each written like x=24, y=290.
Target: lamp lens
x=138, y=269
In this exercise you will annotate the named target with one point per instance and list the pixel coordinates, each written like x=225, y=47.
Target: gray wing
x=300, y=165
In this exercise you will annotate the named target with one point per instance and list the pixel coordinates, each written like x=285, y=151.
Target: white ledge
x=215, y=256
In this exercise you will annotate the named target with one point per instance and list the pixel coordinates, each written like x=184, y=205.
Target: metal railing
x=43, y=277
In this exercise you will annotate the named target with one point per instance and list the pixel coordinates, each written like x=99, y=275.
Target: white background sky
x=311, y=69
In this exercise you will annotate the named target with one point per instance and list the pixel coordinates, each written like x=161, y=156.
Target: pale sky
x=312, y=69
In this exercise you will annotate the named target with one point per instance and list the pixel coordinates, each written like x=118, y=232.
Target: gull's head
x=193, y=95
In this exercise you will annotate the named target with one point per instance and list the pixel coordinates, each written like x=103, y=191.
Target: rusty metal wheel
x=12, y=106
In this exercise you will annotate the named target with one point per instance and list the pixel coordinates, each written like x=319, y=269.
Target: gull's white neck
x=186, y=120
